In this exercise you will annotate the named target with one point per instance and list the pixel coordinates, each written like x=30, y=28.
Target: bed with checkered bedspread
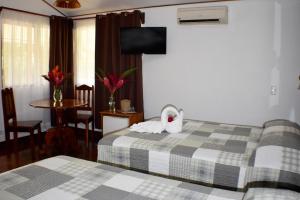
x=276, y=160
x=67, y=178
x=220, y=155
x=205, y=152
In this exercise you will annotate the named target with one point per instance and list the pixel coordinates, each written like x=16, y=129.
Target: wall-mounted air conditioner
x=203, y=15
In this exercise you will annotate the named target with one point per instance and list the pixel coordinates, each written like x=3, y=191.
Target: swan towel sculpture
x=170, y=120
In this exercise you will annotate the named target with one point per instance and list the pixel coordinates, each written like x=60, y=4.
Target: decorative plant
x=113, y=82
x=56, y=77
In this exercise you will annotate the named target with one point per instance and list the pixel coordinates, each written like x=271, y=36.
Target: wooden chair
x=10, y=119
x=85, y=93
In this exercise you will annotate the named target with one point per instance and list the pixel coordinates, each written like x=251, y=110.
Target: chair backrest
x=8, y=104
x=85, y=93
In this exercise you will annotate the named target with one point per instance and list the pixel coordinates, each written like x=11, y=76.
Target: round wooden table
x=61, y=139
x=59, y=107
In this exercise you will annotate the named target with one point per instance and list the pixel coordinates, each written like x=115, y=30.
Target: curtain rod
x=166, y=5
x=23, y=11
x=84, y=18
x=142, y=17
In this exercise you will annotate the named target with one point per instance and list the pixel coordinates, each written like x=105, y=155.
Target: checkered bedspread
x=206, y=152
x=66, y=178
x=271, y=194
x=276, y=161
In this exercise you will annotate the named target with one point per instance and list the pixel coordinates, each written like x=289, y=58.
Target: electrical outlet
x=273, y=90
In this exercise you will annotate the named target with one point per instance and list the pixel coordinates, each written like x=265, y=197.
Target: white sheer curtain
x=84, y=51
x=25, y=57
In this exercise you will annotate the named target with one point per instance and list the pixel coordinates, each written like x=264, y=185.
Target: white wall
x=224, y=72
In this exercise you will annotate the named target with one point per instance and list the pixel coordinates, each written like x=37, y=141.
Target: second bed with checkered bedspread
x=67, y=178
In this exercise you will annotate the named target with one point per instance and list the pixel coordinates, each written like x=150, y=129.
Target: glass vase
x=112, y=104
x=57, y=95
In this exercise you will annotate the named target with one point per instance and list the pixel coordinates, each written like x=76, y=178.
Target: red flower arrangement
x=113, y=82
x=55, y=76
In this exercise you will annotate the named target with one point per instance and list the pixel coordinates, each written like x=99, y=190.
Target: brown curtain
x=61, y=53
x=110, y=60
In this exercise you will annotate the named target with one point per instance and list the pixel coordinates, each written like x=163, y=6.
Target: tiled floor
x=25, y=154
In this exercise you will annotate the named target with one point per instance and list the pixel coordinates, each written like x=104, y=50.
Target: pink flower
x=120, y=83
x=107, y=84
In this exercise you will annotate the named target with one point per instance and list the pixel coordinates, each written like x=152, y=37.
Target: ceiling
x=94, y=6
x=91, y=6
x=36, y=6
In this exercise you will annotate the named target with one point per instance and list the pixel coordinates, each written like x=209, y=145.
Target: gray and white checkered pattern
x=8, y=180
x=184, y=194
x=154, y=190
x=276, y=160
x=261, y=174
x=115, y=155
x=72, y=169
x=182, y=169
x=95, y=174
x=162, y=146
x=202, y=170
x=271, y=194
x=230, y=145
x=291, y=160
x=55, y=183
x=234, y=159
x=38, y=184
x=79, y=186
x=143, y=144
x=204, y=151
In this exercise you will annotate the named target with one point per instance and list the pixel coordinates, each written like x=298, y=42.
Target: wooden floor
x=26, y=154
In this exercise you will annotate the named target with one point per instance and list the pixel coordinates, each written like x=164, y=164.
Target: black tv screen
x=148, y=40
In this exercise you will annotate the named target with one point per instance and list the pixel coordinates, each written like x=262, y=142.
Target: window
x=25, y=57
x=84, y=51
x=25, y=49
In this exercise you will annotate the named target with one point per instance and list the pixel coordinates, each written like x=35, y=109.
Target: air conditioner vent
x=203, y=15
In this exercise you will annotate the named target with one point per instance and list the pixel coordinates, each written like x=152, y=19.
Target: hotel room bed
x=206, y=152
x=219, y=155
x=270, y=194
x=276, y=160
x=67, y=178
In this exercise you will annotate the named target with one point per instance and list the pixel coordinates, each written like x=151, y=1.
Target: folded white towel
x=159, y=126
x=176, y=125
x=147, y=127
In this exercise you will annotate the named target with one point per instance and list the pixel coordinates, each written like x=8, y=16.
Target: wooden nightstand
x=113, y=121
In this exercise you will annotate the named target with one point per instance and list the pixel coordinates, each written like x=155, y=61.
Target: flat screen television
x=148, y=40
